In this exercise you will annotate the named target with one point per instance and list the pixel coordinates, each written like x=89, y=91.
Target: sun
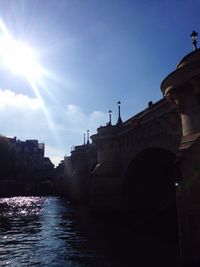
x=19, y=58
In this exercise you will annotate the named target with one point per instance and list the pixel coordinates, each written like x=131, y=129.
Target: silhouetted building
x=30, y=169
x=30, y=154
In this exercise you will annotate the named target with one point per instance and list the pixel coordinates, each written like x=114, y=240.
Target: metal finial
x=110, y=117
x=119, y=121
x=194, y=36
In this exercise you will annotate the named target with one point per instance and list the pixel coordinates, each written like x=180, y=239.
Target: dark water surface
x=46, y=231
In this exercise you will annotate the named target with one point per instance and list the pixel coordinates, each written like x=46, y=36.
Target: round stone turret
x=182, y=87
x=107, y=143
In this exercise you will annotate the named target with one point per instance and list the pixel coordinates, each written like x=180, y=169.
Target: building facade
x=30, y=168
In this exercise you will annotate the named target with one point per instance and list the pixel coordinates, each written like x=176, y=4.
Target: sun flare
x=19, y=58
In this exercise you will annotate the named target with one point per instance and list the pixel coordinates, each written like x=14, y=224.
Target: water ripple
x=47, y=232
x=38, y=231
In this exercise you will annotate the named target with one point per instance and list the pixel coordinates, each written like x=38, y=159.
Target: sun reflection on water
x=39, y=231
x=20, y=206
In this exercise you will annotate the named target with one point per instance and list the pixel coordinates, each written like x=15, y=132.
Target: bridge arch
x=162, y=140
x=149, y=185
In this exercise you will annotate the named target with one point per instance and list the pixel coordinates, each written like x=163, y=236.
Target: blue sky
x=96, y=52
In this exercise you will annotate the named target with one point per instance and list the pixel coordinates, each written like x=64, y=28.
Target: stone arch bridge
x=108, y=172
x=146, y=141
x=132, y=166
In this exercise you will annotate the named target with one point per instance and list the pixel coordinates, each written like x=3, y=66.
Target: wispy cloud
x=23, y=116
x=9, y=99
x=20, y=115
x=80, y=121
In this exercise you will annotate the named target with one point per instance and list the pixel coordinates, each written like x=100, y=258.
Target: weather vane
x=194, y=36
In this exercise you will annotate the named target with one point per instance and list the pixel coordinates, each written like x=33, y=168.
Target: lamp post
x=84, y=139
x=110, y=116
x=194, y=36
x=88, y=141
x=119, y=121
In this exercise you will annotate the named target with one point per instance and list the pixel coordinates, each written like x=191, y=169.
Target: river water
x=46, y=231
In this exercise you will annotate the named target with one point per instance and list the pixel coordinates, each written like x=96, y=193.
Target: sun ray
x=22, y=60
x=51, y=97
x=45, y=110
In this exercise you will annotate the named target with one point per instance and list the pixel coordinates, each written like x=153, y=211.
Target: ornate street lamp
x=88, y=133
x=110, y=116
x=84, y=139
x=194, y=36
x=119, y=121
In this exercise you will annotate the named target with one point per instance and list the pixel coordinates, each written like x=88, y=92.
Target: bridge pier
x=82, y=160
x=106, y=182
x=182, y=88
x=105, y=190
